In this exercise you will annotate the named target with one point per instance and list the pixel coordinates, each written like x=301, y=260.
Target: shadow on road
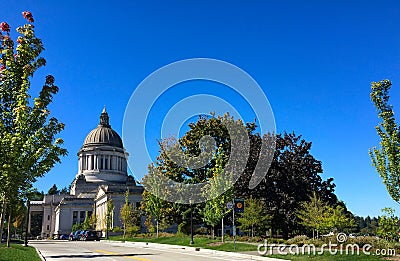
x=96, y=255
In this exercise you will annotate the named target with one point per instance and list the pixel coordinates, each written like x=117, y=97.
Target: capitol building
x=102, y=176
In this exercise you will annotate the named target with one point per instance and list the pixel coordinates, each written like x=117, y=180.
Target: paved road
x=54, y=250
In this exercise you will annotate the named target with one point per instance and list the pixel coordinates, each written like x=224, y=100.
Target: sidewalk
x=253, y=255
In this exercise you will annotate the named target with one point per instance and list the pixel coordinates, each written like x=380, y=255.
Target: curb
x=197, y=249
x=39, y=253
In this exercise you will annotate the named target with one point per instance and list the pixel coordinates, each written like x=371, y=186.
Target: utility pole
x=191, y=223
x=28, y=205
x=233, y=226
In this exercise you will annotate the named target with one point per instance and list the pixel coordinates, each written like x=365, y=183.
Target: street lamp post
x=191, y=223
x=28, y=205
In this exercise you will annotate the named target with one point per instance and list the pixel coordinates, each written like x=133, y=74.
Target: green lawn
x=18, y=252
x=202, y=242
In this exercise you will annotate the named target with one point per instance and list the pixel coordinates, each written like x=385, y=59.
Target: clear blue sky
x=314, y=60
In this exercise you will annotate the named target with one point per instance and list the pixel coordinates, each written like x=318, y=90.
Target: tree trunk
x=9, y=228
x=285, y=233
x=313, y=234
x=2, y=217
x=222, y=230
x=157, y=227
x=212, y=232
x=124, y=232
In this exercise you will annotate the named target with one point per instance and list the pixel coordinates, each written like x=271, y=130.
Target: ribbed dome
x=103, y=134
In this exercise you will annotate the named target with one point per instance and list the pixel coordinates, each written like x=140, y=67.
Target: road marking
x=115, y=253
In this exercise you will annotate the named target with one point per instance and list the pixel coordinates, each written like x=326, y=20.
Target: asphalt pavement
x=59, y=250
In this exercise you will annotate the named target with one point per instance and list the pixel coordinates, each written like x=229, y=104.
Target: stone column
x=83, y=162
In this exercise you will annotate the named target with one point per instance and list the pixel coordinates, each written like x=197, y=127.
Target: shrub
x=298, y=240
x=117, y=229
x=181, y=229
x=132, y=230
x=202, y=231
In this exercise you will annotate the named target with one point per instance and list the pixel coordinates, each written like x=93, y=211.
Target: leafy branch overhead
x=386, y=158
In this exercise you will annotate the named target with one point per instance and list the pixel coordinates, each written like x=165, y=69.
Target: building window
x=111, y=158
x=82, y=217
x=106, y=163
x=48, y=217
x=74, y=217
x=48, y=227
x=101, y=162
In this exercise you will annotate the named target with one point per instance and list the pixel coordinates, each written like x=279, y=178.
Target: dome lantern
x=104, y=119
x=103, y=134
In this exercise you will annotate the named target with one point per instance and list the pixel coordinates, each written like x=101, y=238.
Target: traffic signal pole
x=233, y=227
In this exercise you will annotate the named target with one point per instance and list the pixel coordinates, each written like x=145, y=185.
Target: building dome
x=102, y=158
x=103, y=135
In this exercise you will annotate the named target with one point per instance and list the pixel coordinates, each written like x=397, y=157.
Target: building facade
x=102, y=176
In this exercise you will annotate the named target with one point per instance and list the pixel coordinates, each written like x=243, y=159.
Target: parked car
x=75, y=235
x=90, y=235
x=63, y=237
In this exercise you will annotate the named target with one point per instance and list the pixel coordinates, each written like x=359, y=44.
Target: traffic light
x=239, y=205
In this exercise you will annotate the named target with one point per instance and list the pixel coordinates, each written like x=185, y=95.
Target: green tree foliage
x=336, y=219
x=215, y=209
x=388, y=227
x=311, y=214
x=319, y=216
x=366, y=226
x=254, y=216
x=28, y=144
x=86, y=223
x=126, y=213
x=64, y=190
x=152, y=204
x=93, y=218
x=77, y=226
x=386, y=159
x=293, y=177
x=193, y=146
x=53, y=190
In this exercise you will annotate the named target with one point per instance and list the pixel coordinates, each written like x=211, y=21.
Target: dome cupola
x=103, y=134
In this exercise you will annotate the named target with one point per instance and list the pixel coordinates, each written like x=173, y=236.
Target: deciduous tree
x=388, y=227
x=311, y=213
x=215, y=209
x=255, y=216
x=386, y=158
x=126, y=213
x=28, y=144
